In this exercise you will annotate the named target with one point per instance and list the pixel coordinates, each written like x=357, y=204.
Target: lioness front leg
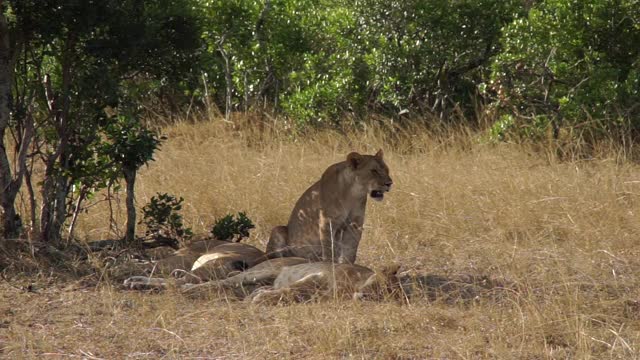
x=145, y=283
x=348, y=246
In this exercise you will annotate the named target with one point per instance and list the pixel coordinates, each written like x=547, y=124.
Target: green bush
x=230, y=228
x=573, y=61
x=430, y=56
x=510, y=127
x=162, y=217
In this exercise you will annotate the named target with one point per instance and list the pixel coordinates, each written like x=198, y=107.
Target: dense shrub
x=575, y=62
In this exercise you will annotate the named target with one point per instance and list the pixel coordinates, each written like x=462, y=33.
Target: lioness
x=244, y=283
x=324, y=280
x=184, y=258
x=217, y=263
x=326, y=222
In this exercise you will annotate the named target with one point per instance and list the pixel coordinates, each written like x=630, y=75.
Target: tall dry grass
x=563, y=233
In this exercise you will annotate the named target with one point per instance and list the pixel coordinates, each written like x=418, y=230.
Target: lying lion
x=184, y=258
x=294, y=279
x=326, y=222
x=324, y=280
x=244, y=283
x=200, y=262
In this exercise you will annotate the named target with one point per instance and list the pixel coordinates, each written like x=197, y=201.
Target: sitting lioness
x=325, y=280
x=326, y=222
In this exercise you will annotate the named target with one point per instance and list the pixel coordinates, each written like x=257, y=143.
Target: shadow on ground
x=453, y=289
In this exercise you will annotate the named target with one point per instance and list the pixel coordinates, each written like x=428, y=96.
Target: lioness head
x=382, y=285
x=372, y=172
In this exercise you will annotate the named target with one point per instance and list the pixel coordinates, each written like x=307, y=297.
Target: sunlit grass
x=564, y=233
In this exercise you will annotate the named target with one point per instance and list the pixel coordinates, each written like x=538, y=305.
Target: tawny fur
x=327, y=221
x=216, y=264
x=325, y=280
x=244, y=283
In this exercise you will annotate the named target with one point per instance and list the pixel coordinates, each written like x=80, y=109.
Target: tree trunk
x=46, y=191
x=229, y=80
x=228, y=76
x=57, y=210
x=9, y=184
x=54, y=194
x=130, y=179
x=270, y=77
x=55, y=186
x=32, y=202
x=8, y=210
x=76, y=212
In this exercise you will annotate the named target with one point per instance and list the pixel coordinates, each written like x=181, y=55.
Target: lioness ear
x=390, y=271
x=380, y=154
x=390, y=275
x=354, y=159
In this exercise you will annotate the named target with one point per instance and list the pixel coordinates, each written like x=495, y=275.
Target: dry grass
x=564, y=233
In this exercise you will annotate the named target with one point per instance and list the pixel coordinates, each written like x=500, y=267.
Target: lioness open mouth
x=377, y=195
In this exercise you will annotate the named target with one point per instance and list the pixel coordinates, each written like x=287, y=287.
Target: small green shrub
x=230, y=228
x=162, y=218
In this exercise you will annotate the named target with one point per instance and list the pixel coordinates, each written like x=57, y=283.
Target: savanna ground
x=563, y=234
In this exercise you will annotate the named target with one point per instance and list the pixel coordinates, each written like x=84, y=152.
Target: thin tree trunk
x=55, y=186
x=60, y=209
x=32, y=202
x=228, y=75
x=276, y=96
x=46, y=211
x=270, y=74
x=207, y=96
x=229, y=81
x=130, y=179
x=51, y=193
x=113, y=224
x=76, y=212
x=246, y=93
